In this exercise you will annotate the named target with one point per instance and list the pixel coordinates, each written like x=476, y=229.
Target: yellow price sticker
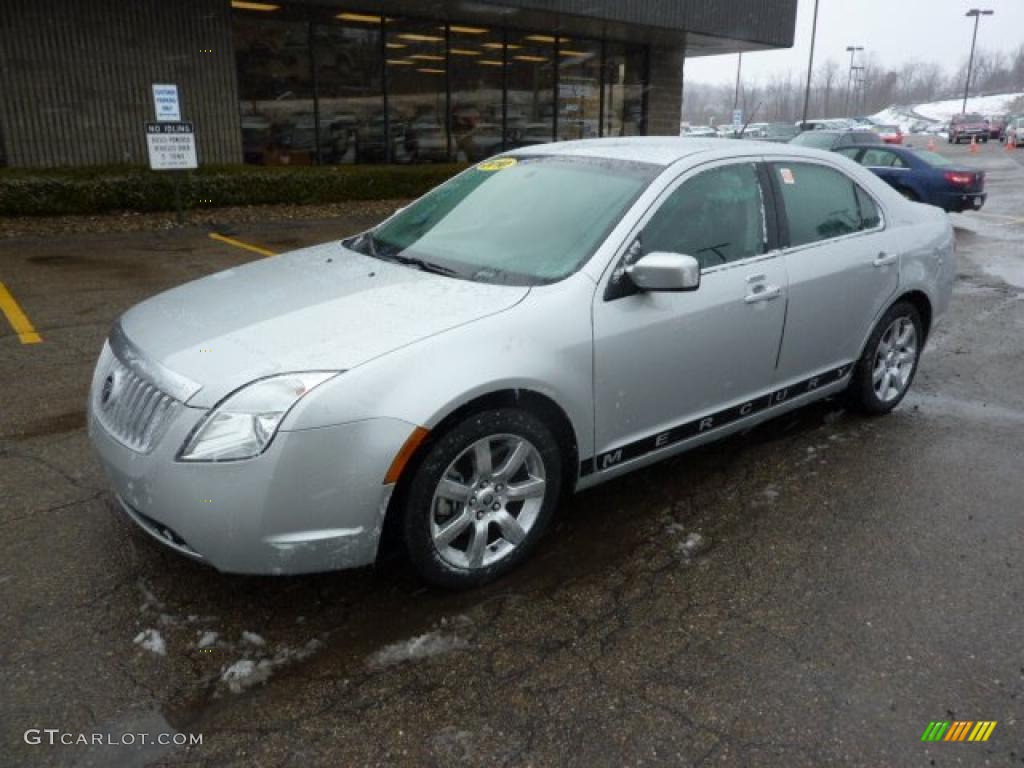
x=498, y=164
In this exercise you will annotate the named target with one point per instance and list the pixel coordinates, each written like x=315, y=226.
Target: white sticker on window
x=787, y=176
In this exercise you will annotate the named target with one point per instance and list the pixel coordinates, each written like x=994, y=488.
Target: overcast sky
x=894, y=30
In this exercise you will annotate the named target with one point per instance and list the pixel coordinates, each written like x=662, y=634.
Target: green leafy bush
x=96, y=190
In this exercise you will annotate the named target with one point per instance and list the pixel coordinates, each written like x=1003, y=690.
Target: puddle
x=51, y=425
x=121, y=745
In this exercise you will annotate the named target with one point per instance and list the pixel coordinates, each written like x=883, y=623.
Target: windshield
x=933, y=158
x=520, y=221
x=818, y=139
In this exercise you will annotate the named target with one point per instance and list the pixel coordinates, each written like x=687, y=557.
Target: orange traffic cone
x=974, y=146
x=931, y=144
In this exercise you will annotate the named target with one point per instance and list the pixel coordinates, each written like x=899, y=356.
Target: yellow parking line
x=240, y=244
x=17, y=318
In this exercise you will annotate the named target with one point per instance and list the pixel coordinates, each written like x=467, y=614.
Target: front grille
x=130, y=407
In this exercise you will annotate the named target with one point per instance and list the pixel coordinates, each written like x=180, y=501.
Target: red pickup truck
x=965, y=127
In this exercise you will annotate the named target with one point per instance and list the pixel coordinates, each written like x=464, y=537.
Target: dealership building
x=277, y=82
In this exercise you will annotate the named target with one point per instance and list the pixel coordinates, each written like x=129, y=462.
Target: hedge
x=26, y=192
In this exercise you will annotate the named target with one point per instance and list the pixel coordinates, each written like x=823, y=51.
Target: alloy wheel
x=894, y=362
x=487, y=501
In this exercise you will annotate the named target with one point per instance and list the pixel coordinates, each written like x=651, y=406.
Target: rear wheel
x=887, y=367
x=481, y=498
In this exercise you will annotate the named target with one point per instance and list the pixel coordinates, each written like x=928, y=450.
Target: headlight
x=245, y=422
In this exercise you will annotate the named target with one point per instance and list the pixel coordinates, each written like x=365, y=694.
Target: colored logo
x=959, y=730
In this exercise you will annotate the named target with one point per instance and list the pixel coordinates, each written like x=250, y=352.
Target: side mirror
x=661, y=271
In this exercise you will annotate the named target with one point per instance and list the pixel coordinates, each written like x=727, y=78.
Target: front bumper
x=313, y=501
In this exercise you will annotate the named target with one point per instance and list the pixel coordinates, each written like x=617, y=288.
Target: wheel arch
x=537, y=403
x=922, y=304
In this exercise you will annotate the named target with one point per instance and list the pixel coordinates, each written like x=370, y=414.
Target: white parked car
x=543, y=322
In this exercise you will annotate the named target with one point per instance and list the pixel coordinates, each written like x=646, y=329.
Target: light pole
x=860, y=84
x=849, y=80
x=739, y=68
x=810, y=64
x=977, y=14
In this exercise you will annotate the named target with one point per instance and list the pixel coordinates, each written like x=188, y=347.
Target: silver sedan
x=543, y=322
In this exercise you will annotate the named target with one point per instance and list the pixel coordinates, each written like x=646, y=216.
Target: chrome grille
x=131, y=408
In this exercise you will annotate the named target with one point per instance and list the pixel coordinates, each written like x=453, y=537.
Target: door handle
x=885, y=259
x=762, y=292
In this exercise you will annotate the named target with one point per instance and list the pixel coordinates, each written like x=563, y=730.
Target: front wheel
x=887, y=367
x=481, y=498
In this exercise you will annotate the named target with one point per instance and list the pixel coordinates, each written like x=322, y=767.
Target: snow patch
x=208, y=639
x=151, y=640
x=252, y=638
x=942, y=111
x=248, y=672
x=424, y=646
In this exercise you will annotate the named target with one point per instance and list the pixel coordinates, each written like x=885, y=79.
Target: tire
x=462, y=532
x=886, y=369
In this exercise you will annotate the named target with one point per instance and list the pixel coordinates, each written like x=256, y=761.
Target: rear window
x=822, y=203
x=933, y=158
x=816, y=139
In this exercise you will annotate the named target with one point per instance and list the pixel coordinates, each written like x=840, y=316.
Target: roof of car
x=659, y=150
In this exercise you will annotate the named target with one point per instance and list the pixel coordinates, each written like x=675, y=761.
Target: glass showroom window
x=625, y=75
x=531, y=87
x=476, y=74
x=579, y=89
x=417, y=75
x=275, y=89
x=348, y=70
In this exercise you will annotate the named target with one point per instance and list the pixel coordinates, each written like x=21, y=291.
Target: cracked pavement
x=811, y=593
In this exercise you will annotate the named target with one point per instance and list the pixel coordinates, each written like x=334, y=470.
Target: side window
x=869, y=215
x=877, y=158
x=822, y=203
x=864, y=137
x=716, y=217
x=850, y=152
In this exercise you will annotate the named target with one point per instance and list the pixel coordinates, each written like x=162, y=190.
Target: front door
x=665, y=363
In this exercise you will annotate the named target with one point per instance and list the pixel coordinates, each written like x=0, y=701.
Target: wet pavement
x=812, y=593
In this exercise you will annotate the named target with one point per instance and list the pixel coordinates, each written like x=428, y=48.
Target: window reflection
x=624, y=75
x=417, y=97
x=477, y=79
x=579, y=89
x=314, y=81
x=531, y=84
x=349, y=83
x=275, y=89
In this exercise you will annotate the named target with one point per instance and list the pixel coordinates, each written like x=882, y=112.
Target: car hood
x=321, y=308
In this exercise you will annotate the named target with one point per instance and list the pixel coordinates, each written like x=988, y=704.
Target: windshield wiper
x=421, y=264
x=368, y=245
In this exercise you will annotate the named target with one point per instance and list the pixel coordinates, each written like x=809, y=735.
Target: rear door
x=842, y=262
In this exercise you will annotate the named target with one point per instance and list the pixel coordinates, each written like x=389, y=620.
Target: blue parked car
x=923, y=176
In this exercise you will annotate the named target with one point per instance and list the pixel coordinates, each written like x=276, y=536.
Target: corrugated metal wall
x=75, y=78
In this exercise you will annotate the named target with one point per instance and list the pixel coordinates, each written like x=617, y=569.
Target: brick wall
x=75, y=78
x=665, y=93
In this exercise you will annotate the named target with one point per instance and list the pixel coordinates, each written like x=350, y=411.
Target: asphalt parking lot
x=855, y=579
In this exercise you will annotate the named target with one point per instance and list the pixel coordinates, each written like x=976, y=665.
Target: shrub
x=97, y=190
